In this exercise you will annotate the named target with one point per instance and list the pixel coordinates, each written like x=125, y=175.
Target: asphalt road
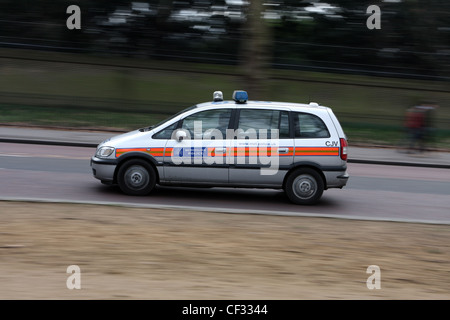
x=378, y=192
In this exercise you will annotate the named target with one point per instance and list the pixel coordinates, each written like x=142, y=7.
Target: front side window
x=166, y=133
x=308, y=125
x=258, y=121
x=211, y=124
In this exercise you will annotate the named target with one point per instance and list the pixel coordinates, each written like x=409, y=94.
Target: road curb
x=350, y=160
x=50, y=142
x=400, y=163
x=223, y=210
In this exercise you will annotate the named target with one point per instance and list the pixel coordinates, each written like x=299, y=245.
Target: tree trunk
x=256, y=52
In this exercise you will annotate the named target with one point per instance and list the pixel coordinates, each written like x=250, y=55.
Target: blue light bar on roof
x=240, y=96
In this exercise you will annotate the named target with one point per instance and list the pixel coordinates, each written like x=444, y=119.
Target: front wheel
x=136, y=177
x=304, y=186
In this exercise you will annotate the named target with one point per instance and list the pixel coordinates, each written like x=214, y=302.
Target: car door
x=200, y=158
x=262, y=149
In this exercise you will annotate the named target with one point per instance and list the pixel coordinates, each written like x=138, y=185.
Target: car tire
x=136, y=177
x=304, y=186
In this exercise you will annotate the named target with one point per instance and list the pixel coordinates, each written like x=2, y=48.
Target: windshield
x=168, y=119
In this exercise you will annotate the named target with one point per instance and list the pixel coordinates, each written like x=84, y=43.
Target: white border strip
x=223, y=210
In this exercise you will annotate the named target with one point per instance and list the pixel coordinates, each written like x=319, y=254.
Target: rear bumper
x=336, y=179
x=103, y=169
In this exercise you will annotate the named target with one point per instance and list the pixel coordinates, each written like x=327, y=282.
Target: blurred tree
x=256, y=51
x=414, y=39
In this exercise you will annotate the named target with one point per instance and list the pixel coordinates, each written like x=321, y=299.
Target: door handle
x=283, y=150
x=220, y=150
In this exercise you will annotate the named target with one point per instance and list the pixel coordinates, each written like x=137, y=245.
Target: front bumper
x=103, y=169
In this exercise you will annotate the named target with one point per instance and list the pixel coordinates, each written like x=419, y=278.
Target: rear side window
x=258, y=119
x=307, y=125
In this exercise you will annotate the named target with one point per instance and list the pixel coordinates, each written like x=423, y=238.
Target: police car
x=300, y=148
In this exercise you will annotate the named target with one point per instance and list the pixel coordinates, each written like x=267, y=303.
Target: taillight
x=343, y=150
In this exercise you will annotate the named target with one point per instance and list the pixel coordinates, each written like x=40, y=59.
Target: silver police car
x=300, y=148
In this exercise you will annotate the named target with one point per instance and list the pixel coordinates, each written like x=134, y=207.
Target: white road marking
x=15, y=155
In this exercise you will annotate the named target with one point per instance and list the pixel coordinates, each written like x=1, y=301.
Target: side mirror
x=180, y=135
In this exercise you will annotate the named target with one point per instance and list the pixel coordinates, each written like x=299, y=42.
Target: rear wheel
x=136, y=177
x=304, y=186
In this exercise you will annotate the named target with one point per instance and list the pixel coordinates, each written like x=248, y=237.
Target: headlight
x=104, y=152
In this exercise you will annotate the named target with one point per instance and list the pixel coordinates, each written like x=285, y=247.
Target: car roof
x=264, y=104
